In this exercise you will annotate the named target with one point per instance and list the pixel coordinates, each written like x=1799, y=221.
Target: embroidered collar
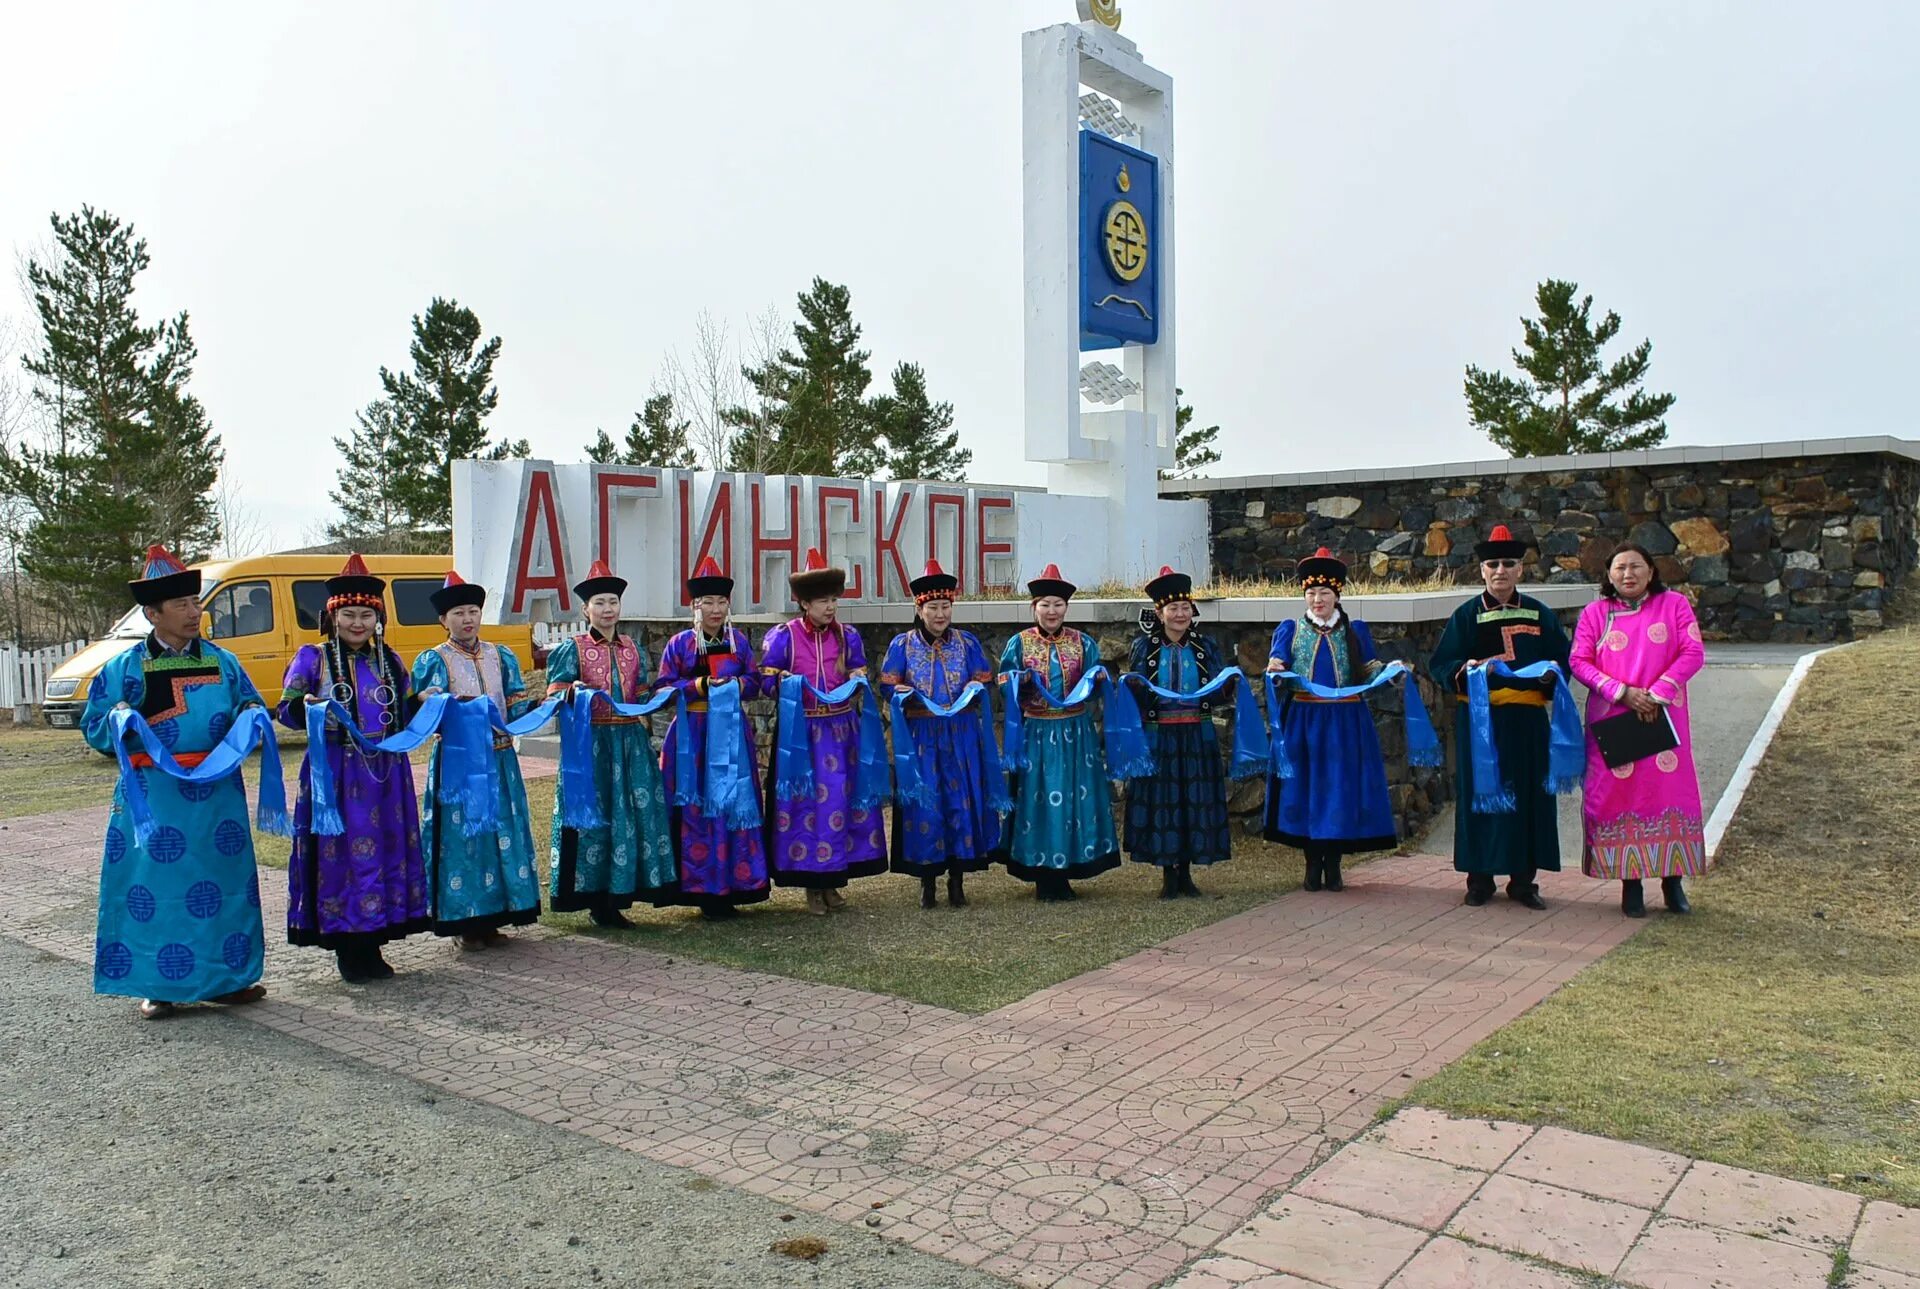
x=935, y=641
x=710, y=643
x=157, y=649
x=473, y=650
x=1045, y=634
x=1486, y=598
x=1324, y=624
x=594, y=633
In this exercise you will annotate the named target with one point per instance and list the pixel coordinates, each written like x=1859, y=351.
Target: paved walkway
x=1105, y=1132
x=1429, y=1202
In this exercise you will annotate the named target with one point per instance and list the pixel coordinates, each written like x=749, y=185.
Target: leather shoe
x=1633, y=899
x=1313, y=874
x=1476, y=898
x=1528, y=896
x=1331, y=874
x=1675, y=894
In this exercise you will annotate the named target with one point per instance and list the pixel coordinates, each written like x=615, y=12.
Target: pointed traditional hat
x=934, y=584
x=1322, y=568
x=1500, y=544
x=353, y=586
x=165, y=578
x=1170, y=586
x=456, y=592
x=708, y=580
x=1050, y=583
x=600, y=581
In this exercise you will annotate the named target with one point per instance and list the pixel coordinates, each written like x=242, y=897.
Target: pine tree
x=659, y=435
x=129, y=456
x=368, y=490
x=1193, y=449
x=442, y=407
x=814, y=394
x=914, y=436
x=1570, y=402
x=603, y=450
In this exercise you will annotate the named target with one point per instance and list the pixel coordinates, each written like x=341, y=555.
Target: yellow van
x=263, y=608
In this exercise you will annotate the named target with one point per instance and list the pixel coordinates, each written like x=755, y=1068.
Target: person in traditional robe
x=1519, y=630
x=179, y=917
x=606, y=869
x=1635, y=648
x=1335, y=803
x=1177, y=817
x=1061, y=828
x=355, y=891
x=956, y=832
x=823, y=844
x=485, y=881
x=720, y=868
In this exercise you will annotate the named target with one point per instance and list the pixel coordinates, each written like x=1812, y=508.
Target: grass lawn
x=43, y=769
x=1775, y=1029
x=1001, y=948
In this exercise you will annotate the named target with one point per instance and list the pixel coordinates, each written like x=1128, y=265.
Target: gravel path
x=208, y=1151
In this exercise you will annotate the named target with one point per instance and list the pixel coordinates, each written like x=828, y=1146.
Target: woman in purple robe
x=821, y=845
x=354, y=892
x=720, y=868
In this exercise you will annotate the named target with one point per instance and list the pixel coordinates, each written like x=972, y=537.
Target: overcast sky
x=1368, y=194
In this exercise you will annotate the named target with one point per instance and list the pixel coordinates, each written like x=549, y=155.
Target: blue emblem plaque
x=1119, y=250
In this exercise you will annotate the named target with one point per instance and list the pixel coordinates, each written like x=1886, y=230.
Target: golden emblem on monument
x=1104, y=12
x=1126, y=241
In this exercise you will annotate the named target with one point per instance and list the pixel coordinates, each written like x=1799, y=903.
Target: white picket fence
x=23, y=673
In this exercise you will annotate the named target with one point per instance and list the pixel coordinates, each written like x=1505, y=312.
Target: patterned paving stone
x=1333, y=1246
x=1466, y=1143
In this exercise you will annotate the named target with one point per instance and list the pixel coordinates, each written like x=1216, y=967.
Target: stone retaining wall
x=1790, y=546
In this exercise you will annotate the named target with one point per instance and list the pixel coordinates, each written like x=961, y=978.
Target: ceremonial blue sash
x=1566, y=746
x=720, y=784
x=1127, y=754
x=793, y=754
x=251, y=728
x=579, y=799
x=1423, y=745
x=1251, y=750
x=911, y=785
x=455, y=772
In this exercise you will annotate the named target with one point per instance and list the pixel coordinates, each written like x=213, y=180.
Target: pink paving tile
x=1889, y=1237
x=1237, y=1273
x=1334, y=1246
x=1447, y=1263
x=1467, y=1143
x=1615, y=1170
x=1756, y=1204
x=1866, y=1277
x=1549, y=1222
x=1681, y=1255
x=1385, y=1183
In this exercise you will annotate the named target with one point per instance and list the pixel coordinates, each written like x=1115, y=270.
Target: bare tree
x=243, y=530
x=766, y=336
x=704, y=385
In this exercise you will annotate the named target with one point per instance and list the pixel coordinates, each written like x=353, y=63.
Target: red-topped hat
x=1170, y=586
x=600, y=580
x=163, y=578
x=934, y=584
x=353, y=586
x=708, y=580
x=817, y=580
x=1500, y=544
x=1323, y=568
x=457, y=591
x=1050, y=583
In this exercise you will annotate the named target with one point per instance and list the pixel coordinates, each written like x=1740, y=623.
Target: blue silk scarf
x=1423, y=745
x=252, y=728
x=910, y=785
x=1566, y=746
x=793, y=753
x=1252, y=751
x=1128, y=756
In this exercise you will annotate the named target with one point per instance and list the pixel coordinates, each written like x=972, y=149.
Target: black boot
x=610, y=918
x=352, y=968
x=377, y=967
x=1479, y=889
x=1633, y=900
x=719, y=912
x=1675, y=895
x=1330, y=872
x=956, y=890
x=1313, y=871
x=1065, y=891
x=1169, y=882
x=929, y=894
x=1526, y=894
x=1043, y=888
x=1187, y=888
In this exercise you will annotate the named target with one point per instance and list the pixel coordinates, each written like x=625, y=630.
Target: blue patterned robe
x=961, y=830
x=1178, y=815
x=1337, y=798
x=482, y=883
x=179, y=917
x=611, y=867
x=1062, y=820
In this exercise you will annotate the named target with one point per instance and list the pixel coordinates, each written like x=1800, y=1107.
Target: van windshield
x=134, y=626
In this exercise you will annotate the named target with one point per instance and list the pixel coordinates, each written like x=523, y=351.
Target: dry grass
x=1250, y=588
x=43, y=769
x=1774, y=1029
x=1003, y=947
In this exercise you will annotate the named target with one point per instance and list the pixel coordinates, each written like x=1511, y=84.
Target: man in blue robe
x=180, y=912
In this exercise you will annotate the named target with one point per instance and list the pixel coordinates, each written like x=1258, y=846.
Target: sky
x=1367, y=196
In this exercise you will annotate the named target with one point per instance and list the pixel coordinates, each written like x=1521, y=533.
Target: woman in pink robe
x=1635, y=649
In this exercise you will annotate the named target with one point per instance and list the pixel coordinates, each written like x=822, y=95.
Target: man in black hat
x=1519, y=630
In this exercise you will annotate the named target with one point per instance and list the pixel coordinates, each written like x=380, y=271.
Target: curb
x=1723, y=810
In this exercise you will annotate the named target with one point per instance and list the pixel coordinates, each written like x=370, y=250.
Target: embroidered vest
x=598, y=660
x=469, y=676
x=1307, y=640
